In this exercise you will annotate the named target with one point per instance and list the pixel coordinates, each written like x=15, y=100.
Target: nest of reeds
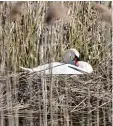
x=61, y=99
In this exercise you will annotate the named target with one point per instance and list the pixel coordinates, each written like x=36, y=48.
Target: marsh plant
x=31, y=34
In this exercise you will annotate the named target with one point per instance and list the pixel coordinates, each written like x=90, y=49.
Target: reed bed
x=28, y=40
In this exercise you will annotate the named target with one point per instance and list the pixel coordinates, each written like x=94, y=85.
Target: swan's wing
x=44, y=67
x=85, y=66
x=55, y=68
x=63, y=69
x=78, y=69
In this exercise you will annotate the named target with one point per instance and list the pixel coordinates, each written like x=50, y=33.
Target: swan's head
x=71, y=57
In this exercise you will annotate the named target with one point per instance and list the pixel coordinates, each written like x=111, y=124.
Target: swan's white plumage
x=57, y=68
x=85, y=66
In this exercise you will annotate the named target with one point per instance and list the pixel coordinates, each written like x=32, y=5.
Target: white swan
x=71, y=65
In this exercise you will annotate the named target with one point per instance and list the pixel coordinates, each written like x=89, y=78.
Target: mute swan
x=71, y=65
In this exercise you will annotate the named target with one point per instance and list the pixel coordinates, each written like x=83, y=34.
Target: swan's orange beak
x=76, y=59
x=76, y=63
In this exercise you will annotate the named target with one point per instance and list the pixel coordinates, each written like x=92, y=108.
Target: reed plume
x=106, y=13
x=55, y=12
x=16, y=10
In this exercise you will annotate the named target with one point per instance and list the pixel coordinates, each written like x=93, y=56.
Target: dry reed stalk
x=16, y=10
x=49, y=101
x=1, y=2
x=106, y=13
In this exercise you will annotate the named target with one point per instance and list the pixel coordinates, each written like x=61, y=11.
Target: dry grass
x=38, y=100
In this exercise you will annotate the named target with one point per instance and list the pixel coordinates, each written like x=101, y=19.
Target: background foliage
x=28, y=41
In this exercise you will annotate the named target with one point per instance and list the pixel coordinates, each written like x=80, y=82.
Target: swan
x=71, y=65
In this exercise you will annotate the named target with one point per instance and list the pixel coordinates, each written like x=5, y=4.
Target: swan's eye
x=72, y=58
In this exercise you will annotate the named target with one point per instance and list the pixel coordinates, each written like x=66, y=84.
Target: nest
x=72, y=99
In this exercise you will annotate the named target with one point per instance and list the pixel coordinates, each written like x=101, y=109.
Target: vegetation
x=27, y=40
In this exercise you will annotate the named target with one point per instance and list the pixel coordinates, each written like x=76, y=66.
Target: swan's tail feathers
x=26, y=69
